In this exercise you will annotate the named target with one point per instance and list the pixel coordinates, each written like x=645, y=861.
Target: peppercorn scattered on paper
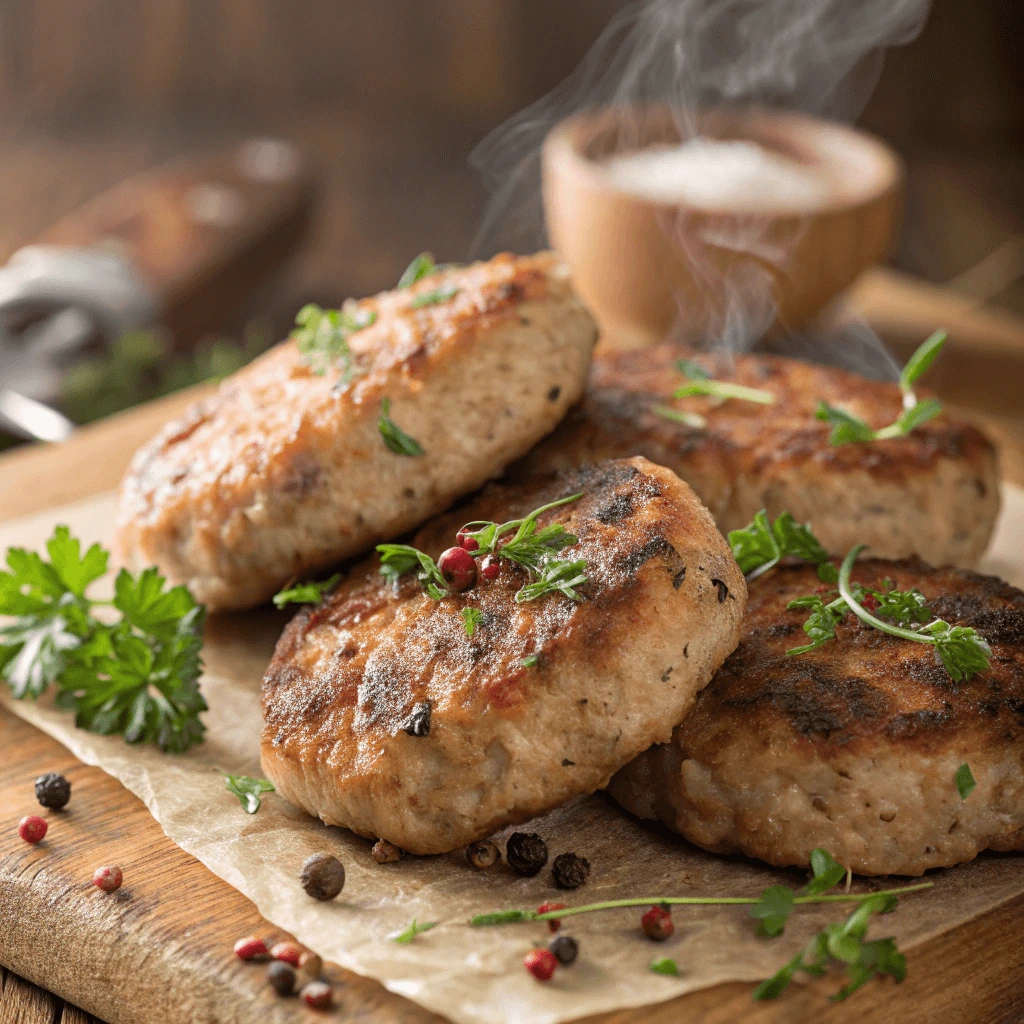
x=472, y=975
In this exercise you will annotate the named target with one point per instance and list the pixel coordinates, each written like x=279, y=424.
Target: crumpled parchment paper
x=476, y=974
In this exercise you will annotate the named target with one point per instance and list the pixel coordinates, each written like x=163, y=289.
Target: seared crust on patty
x=284, y=471
x=352, y=677
x=853, y=747
x=933, y=494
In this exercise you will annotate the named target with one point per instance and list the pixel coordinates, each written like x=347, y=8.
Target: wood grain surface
x=160, y=948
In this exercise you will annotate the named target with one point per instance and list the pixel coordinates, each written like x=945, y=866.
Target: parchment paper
x=475, y=974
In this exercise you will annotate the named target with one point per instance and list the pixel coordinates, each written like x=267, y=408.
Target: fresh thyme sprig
x=395, y=438
x=322, y=337
x=137, y=676
x=848, y=428
x=762, y=544
x=702, y=383
x=961, y=650
x=306, y=593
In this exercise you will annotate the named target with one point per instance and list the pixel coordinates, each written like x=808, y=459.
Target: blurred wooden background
x=390, y=97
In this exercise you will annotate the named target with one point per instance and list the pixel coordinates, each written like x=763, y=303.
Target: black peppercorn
x=281, y=977
x=53, y=790
x=565, y=949
x=483, y=854
x=526, y=853
x=323, y=876
x=570, y=871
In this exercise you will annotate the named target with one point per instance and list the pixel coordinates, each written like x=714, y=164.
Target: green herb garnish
x=248, y=790
x=763, y=544
x=665, y=966
x=844, y=943
x=394, y=437
x=306, y=593
x=471, y=618
x=421, y=266
x=965, y=781
x=136, y=676
x=850, y=429
x=412, y=931
x=398, y=559
x=702, y=383
x=962, y=651
x=322, y=337
x=690, y=419
x=433, y=298
x=772, y=910
x=530, y=661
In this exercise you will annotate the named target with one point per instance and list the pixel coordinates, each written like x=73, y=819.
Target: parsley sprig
x=762, y=544
x=322, y=337
x=533, y=547
x=136, y=676
x=903, y=613
x=702, y=383
x=848, y=428
x=248, y=790
x=421, y=266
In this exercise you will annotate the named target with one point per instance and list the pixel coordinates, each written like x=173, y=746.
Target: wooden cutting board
x=160, y=949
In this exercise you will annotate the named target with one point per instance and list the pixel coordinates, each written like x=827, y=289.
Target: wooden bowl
x=646, y=267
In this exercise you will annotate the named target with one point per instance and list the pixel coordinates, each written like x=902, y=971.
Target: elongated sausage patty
x=383, y=715
x=853, y=747
x=284, y=471
x=932, y=494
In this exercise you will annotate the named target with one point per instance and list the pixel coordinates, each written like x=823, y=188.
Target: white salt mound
x=709, y=174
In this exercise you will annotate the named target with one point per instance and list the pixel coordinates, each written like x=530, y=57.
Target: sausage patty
x=932, y=494
x=284, y=471
x=381, y=713
x=853, y=747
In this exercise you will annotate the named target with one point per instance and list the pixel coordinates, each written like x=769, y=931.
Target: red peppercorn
x=870, y=602
x=458, y=568
x=491, y=568
x=541, y=963
x=464, y=540
x=251, y=948
x=657, y=924
x=317, y=994
x=286, y=951
x=553, y=923
x=108, y=878
x=32, y=828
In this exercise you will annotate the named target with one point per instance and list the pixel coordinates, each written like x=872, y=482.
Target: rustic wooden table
x=971, y=976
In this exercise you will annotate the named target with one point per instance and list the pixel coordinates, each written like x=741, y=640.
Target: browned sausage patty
x=284, y=471
x=383, y=715
x=853, y=747
x=932, y=494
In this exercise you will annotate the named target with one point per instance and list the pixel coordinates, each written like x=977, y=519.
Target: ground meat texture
x=853, y=747
x=284, y=472
x=507, y=741
x=933, y=494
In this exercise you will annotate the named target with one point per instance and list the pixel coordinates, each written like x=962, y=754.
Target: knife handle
x=203, y=231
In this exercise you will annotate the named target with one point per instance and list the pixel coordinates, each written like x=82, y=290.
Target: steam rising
x=820, y=57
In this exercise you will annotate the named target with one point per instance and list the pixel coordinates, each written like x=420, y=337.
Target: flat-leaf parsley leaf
x=248, y=790
x=306, y=593
x=394, y=437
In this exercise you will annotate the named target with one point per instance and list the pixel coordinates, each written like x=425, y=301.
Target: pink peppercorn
x=553, y=923
x=317, y=994
x=251, y=948
x=458, y=568
x=463, y=539
x=108, y=878
x=286, y=951
x=32, y=828
x=657, y=924
x=541, y=963
x=491, y=569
